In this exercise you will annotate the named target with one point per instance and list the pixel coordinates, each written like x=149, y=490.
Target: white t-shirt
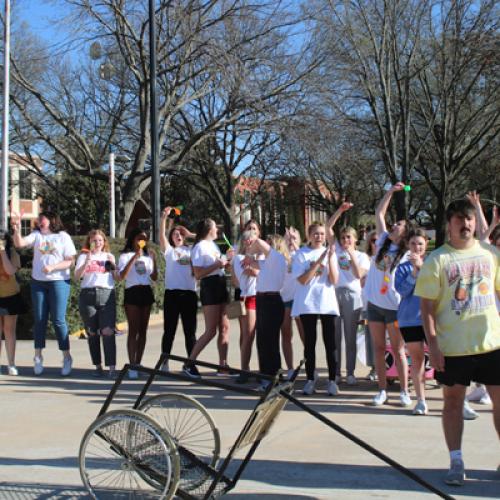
x=317, y=296
x=178, y=271
x=290, y=283
x=379, y=287
x=50, y=249
x=204, y=254
x=247, y=283
x=140, y=271
x=272, y=272
x=95, y=274
x=346, y=278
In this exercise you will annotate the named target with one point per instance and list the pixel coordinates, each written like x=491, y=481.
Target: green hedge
x=25, y=321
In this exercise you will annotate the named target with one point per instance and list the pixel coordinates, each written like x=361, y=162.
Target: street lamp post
x=155, y=172
x=5, y=123
x=112, y=230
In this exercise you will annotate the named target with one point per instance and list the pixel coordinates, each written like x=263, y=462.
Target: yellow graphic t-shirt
x=463, y=283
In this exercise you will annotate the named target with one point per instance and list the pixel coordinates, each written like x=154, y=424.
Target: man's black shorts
x=480, y=368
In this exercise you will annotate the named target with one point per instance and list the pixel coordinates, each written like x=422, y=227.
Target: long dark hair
x=402, y=247
x=129, y=244
x=202, y=229
x=4, y=235
x=55, y=223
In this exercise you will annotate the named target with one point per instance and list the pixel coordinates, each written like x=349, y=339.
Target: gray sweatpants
x=350, y=306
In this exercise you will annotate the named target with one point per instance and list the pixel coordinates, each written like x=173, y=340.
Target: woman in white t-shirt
x=95, y=268
x=137, y=266
x=180, y=299
x=383, y=299
x=53, y=255
x=270, y=308
x=353, y=266
x=245, y=275
x=315, y=268
x=208, y=266
x=292, y=240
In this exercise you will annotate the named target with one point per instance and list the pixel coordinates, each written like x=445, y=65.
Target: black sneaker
x=191, y=371
x=243, y=378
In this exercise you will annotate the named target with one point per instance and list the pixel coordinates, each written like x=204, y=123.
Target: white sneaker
x=404, y=399
x=468, y=413
x=133, y=375
x=351, y=380
x=309, y=388
x=477, y=393
x=485, y=400
x=372, y=375
x=420, y=408
x=12, y=371
x=67, y=365
x=332, y=388
x=380, y=398
x=38, y=365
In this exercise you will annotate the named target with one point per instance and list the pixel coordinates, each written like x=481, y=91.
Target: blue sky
x=37, y=14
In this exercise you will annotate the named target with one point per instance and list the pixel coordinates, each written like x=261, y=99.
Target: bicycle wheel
x=191, y=427
x=126, y=454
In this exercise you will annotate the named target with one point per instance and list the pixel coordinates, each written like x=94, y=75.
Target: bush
x=25, y=321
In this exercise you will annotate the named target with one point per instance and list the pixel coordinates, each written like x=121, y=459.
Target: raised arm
x=15, y=222
x=330, y=223
x=164, y=244
x=482, y=223
x=382, y=207
x=495, y=221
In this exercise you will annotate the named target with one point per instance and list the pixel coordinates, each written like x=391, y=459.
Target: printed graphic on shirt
x=96, y=266
x=344, y=262
x=385, y=263
x=182, y=258
x=46, y=247
x=474, y=290
x=140, y=267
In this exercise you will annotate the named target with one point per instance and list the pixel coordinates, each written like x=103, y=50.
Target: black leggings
x=328, y=326
x=270, y=312
x=183, y=303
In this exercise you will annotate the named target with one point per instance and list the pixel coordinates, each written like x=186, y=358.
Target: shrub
x=25, y=321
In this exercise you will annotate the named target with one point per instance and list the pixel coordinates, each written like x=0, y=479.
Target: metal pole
x=4, y=196
x=155, y=173
x=111, y=194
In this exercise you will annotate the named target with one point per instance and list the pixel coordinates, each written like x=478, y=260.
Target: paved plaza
x=42, y=420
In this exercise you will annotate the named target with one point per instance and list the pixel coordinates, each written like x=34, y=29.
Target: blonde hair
x=246, y=235
x=349, y=230
x=279, y=244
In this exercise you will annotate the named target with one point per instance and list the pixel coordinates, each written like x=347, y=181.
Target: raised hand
x=346, y=205
x=473, y=197
x=399, y=186
x=166, y=212
x=15, y=221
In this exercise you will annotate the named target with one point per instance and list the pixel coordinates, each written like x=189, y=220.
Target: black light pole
x=155, y=172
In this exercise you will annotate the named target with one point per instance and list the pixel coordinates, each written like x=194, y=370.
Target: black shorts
x=480, y=368
x=213, y=290
x=139, y=295
x=12, y=306
x=412, y=333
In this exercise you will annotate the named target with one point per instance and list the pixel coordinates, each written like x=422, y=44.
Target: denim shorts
x=380, y=315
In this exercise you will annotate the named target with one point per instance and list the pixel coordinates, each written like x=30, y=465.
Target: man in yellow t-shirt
x=457, y=286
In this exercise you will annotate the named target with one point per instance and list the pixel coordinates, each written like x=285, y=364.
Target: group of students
x=278, y=280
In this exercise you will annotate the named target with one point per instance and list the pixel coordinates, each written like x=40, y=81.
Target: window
x=25, y=185
x=25, y=227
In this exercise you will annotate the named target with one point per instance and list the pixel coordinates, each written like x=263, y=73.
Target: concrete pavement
x=42, y=420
